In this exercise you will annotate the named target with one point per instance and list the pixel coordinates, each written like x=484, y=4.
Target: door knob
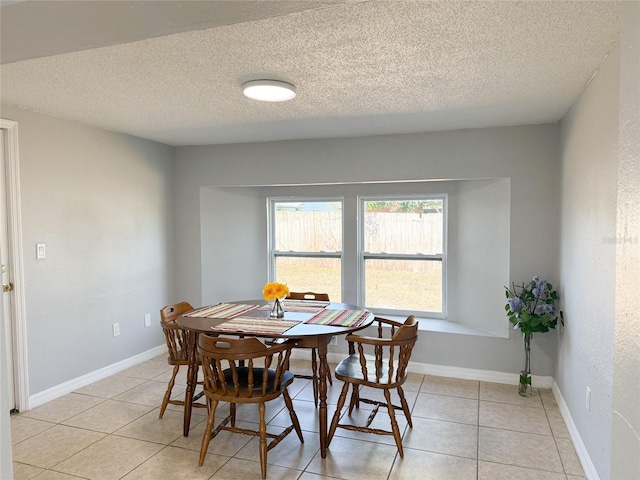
x=7, y=288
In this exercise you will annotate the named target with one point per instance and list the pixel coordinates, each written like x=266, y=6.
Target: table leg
x=322, y=384
x=192, y=378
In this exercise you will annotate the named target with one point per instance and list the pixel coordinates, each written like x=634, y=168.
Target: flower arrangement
x=275, y=291
x=532, y=308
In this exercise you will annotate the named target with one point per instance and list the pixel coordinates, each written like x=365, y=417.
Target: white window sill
x=443, y=326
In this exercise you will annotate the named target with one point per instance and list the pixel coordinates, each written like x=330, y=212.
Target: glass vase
x=277, y=311
x=524, y=387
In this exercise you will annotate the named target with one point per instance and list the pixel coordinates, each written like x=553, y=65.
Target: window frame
x=273, y=254
x=363, y=256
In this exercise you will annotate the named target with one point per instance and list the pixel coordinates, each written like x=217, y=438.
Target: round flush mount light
x=269, y=90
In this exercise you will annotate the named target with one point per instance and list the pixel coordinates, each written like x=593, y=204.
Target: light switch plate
x=40, y=251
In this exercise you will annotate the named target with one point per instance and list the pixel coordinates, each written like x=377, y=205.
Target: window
x=306, y=244
x=403, y=254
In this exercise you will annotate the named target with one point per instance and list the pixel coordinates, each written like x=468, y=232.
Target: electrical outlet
x=147, y=320
x=587, y=399
x=334, y=341
x=116, y=329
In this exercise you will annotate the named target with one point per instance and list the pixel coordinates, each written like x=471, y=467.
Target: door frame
x=14, y=224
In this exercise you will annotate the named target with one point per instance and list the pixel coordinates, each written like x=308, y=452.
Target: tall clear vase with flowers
x=532, y=308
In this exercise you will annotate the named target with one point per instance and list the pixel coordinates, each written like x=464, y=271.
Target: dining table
x=310, y=323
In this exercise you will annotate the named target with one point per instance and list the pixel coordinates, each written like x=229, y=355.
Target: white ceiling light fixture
x=269, y=90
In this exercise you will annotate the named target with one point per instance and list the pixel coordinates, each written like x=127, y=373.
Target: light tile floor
x=462, y=430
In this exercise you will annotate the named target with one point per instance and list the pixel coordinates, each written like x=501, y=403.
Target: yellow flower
x=274, y=290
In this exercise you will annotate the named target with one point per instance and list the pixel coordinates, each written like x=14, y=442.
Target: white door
x=5, y=273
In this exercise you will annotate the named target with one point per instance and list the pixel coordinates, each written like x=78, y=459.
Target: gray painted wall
x=589, y=166
x=527, y=156
x=600, y=259
x=102, y=203
x=625, y=437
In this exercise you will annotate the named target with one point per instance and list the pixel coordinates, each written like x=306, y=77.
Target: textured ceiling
x=360, y=68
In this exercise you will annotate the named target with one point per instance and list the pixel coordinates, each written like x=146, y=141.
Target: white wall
x=589, y=149
x=102, y=203
x=527, y=156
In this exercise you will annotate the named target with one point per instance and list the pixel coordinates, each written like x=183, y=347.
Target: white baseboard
x=447, y=371
x=587, y=465
x=72, y=385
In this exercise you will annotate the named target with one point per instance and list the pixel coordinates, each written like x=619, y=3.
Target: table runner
x=221, y=310
x=342, y=318
x=257, y=326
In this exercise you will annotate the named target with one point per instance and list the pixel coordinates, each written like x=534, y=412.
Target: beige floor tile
x=237, y=469
x=163, y=430
x=173, y=463
x=51, y=475
x=520, y=449
x=413, y=383
x=150, y=393
x=452, y=409
x=354, y=460
x=181, y=377
x=548, y=399
x=573, y=477
x=64, y=407
x=53, y=445
x=556, y=422
x=108, y=416
x=453, y=387
x=307, y=413
x=298, y=385
x=496, y=471
x=514, y=417
x=289, y=453
x=225, y=443
x=109, y=459
x=418, y=464
x=313, y=476
x=448, y=438
x=24, y=427
x=570, y=460
x=110, y=387
x=147, y=370
x=22, y=471
x=333, y=392
x=498, y=392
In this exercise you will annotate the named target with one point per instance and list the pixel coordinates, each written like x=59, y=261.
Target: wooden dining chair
x=314, y=354
x=385, y=369
x=245, y=370
x=178, y=347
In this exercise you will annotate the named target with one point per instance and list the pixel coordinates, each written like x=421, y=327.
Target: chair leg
x=292, y=414
x=405, y=407
x=314, y=376
x=206, y=436
x=394, y=423
x=232, y=411
x=167, y=394
x=355, y=398
x=336, y=416
x=263, y=441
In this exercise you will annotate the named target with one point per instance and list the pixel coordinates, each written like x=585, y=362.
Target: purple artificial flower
x=515, y=304
x=544, y=308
